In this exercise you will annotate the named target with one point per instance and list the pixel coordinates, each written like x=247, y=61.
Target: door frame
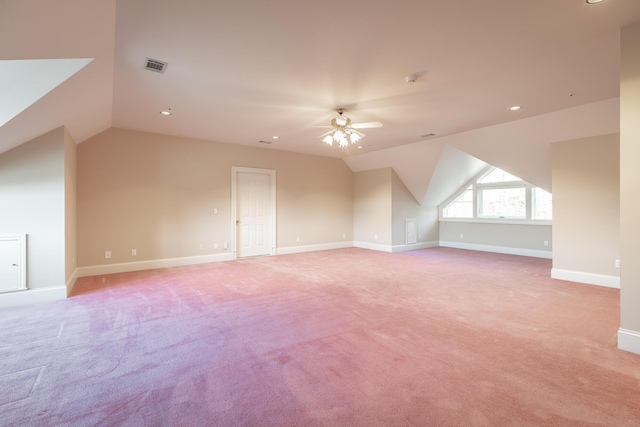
x=235, y=170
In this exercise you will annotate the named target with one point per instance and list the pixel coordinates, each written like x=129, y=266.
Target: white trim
x=32, y=296
x=423, y=245
x=72, y=281
x=584, y=277
x=629, y=340
x=373, y=246
x=98, y=270
x=272, y=184
x=313, y=248
x=498, y=249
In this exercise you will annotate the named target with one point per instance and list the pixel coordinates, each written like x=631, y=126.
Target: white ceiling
x=243, y=71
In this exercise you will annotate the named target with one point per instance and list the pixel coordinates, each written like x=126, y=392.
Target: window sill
x=503, y=221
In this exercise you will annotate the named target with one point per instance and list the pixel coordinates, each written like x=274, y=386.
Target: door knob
x=237, y=222
x=15, y=265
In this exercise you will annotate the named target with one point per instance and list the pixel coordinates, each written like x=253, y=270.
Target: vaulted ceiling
x=243, y=71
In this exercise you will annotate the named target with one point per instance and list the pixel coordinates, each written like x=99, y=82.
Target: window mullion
x=477, y=201
x=529, y=202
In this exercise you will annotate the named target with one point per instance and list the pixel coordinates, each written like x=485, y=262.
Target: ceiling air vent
x=265, y=142
x=155, y=65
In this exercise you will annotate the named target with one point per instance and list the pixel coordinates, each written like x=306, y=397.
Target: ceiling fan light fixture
x=343, y=132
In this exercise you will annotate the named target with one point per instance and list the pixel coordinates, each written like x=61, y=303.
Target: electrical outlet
x=134, y=252
x=546, y=243
x=617, y=263
x=202, y=246
x=461, y=236
x=344, y=235
x=375, y=237
x=107, y=254
x=215, y=246
x=215, y=211
x=297, y=240
x=225, y=246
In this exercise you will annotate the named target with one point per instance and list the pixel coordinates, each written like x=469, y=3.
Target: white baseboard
x=423, y=245
x=396, y=248
x=629, y=340
x=98, y=270
x=32, y=296
x=373, y=246
x=588, y=278
x=498, y=249
x=312, y=248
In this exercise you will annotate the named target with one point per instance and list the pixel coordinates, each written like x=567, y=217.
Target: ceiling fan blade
x=366, y=125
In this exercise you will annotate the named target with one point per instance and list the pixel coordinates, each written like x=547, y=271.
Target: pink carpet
x=436, y=337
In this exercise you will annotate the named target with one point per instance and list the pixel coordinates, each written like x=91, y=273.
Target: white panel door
x=9, y=265
x=253, y=214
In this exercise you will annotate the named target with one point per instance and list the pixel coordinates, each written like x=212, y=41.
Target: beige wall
x=70, y=207
x=157, y=194
x=405, y=206
x=630, y=179
x=32, y=201
x=586, y=200
x=372, y=206
x=519, y=238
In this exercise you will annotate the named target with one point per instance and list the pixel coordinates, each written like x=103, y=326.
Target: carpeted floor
x=351, y=337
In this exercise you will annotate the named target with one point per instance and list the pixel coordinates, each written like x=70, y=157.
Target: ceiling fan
x=344, y=132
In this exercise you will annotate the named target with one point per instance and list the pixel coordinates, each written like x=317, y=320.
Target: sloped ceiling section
x=24, y=82
x=454, y=169
x=413, y=163
x=59, y=32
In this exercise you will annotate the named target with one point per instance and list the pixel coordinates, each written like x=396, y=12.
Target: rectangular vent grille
x=155, y=65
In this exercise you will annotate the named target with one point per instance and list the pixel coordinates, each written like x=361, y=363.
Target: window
x=502, y=202
x=541, y=204
x=462, y=206
x=497, y=195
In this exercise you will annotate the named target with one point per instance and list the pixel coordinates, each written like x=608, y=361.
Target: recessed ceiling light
x=360, y=146
x=515, y=108
x=275, y=137
x=594, y=1
x=166, y=112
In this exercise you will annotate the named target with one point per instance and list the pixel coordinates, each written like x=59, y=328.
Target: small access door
x=412, y=231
